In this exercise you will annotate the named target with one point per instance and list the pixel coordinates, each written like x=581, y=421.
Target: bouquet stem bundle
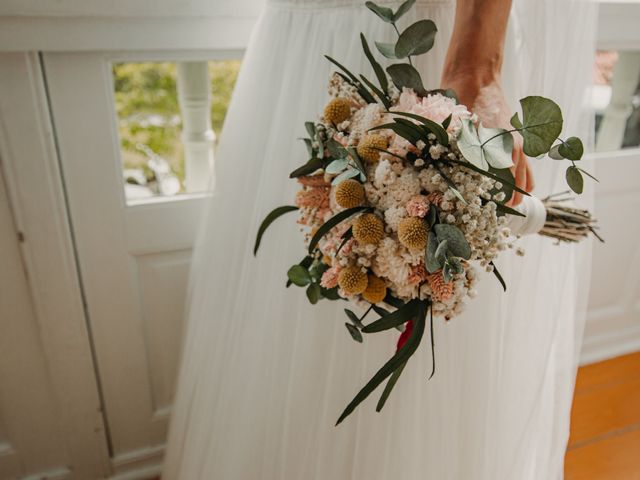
x=566, y=223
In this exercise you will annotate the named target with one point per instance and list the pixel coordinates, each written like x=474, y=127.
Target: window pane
x=617, y=100
x=150, y=122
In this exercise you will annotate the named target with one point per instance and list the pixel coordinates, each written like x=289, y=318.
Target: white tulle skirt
x=265, y=375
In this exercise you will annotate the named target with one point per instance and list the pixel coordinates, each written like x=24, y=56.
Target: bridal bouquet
x=404, y=197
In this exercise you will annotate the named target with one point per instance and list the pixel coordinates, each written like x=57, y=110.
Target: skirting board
x=141, y=464
x=611, y=344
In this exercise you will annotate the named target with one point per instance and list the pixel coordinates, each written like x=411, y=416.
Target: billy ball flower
x=368, y=229
x=349, y=193
x=337, y=110
x=352, y=280
x=376, y=290
x=412, y=233
x=370, y=146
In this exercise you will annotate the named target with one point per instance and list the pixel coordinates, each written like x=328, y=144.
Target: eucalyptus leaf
x=416, y=39
x=389, y=387
x=330, y=293
x=457, y=243
x=335, y=149
x=299, y=276
x=308, y=168
x=268, y=220
x=441, y=251
x=497, y=146
x=405, y=75
x=402, y=9
x=588, y=174
x=571, y=149
x=387, y=49
x=470, y=145
x=386, y=14
x=447, y=274
x=575, y=179
x=540, y=126
x=400, y=357
x=456, y=265
x=377, y=68
x=395, y=318
x=309, y=144
x=554, y=152
x=354, y=332
x=354, y=318
x=313, y=293
x=432, y=216
x=311, y=129
x=431, y=262
x=332, y=222
x=337, y=166
x=347, y=174
x=305, y=263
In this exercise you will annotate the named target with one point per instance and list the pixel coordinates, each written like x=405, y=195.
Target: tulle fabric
x=265, y=375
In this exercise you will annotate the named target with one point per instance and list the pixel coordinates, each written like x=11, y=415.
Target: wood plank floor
x=605, y=422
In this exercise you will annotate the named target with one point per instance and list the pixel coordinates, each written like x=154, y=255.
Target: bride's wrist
x=467, y=80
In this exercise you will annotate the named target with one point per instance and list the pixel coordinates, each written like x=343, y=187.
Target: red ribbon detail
x=404, y=336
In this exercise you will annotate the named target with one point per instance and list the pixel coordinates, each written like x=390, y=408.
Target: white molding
x=618, y=25
x=139, y=464
x=60, y=34
x=596, y=348
x=56, y=474
x=30, y=163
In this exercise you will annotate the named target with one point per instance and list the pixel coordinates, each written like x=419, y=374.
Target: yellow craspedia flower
x=352, y=280
x=350, y=193
x=337, y=110
x=413, y=233
x=376, y=290
x=370, y=146
x=368, y=229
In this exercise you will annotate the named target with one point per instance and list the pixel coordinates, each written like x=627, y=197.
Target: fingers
x=523, y=175
x=531, y=184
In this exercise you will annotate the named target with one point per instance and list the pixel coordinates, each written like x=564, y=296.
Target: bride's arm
x=473, y=69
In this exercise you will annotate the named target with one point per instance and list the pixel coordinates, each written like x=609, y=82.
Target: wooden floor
x=605, y=422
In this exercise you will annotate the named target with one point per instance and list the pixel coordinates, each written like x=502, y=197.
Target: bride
x=265, y=375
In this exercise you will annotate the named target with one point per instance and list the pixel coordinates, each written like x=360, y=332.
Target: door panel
x=133, y=258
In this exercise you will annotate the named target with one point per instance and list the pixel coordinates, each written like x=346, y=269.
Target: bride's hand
x=489, y=103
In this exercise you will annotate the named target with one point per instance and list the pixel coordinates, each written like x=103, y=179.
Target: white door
x=133, y=254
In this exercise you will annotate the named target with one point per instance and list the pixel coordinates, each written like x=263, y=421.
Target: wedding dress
x=265, y=375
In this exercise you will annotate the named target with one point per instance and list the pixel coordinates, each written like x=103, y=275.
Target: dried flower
x=352, y=280
x=370, y=146
x=412, y=233
x=376, y=290
x=368, y=229
x=349, y=193
x=337, y=110
x=441, y=290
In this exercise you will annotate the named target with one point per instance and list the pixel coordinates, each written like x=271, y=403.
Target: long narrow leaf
x=504, y=209
x=490, y=175
x=309, y=167
x=389, y=386
x=364, y=93
x=398, y=317
x=498, y=276
x=268, y=220
x=332, y=222
x=441, y=134
x=383, y=98
x=388, y=368
x=377, y=68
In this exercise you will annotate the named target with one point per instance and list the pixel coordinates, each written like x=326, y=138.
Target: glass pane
x=616, y=98
x=150, y=122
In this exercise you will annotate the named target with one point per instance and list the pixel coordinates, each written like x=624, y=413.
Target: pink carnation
x=417, y=274
x=435, y=107
x=417, y=206
x=330, y=277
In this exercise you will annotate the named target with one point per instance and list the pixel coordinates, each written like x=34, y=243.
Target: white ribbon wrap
x=533, y=222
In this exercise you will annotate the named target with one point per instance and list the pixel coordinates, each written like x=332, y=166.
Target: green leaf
x=386, y=14
x=336, y=150
x=345, y=238
x=332, y=222
x=571, y=149
x=416, y=39
x=484, y=147
x=402, y=9
x=268, y=220
x=387, y=49
x=330, y=293
x=308, y=168
x=395, y=318
x=541, y=124
x=431, y=261
x=555, y=152
x=383, y=98
x=506, y=179
x=457, y=243
x=432, y=216
x=347, y=174
x=354, y=318
x=299, y=276
x=337, y=166
x=358, y=162
x=311, y=129
x=354, y=332
x=503, y=210
x=456, y=265
x=404, y=75
x=490, y=173
x=433, y=127
x=411, y=134
x=588, y=175
x=447, y=274
x=401, y=356
x=447, y=121
x=498, y=276
x=389, y=387
x=441, y=251
x=310, y=150
x=377, y=68
x=393, y=301
x=575, y=179
x=305, y=263
x=313, y=293
x=363, y=92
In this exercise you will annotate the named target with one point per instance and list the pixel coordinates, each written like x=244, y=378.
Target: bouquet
x=404, y=197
